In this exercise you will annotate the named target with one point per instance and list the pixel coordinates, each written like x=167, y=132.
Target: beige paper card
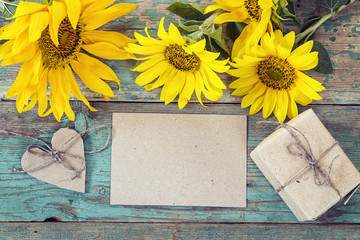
x=178, y=159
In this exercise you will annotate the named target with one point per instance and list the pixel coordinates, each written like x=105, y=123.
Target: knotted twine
x=57, y=155
x=305, y=152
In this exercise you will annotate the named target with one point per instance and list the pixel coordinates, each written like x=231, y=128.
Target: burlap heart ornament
x=62, y=165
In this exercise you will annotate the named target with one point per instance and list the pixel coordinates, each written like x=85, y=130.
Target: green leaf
x=332, y=4
x=289, y=11
x=324, y=65
x=188, y=11
x=308, y=23
x=218, y=38
x=187, y=29
x=291, y=7
x=224, y=52
x=234, y=29
x=8, y=8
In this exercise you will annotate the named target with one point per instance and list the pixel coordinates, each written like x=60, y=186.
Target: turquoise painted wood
x=27, y=199
x=177, y=231
x=23, y=198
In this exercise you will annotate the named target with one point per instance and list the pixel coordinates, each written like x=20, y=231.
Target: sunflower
x=180, y=68
x=271, y=77
x=255, y=13
x=51, y=40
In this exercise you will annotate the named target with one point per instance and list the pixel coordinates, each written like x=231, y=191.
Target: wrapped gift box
x=306, y=166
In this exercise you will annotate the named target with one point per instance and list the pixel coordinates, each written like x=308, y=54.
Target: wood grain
x=27, y=199
x=177, y=231
x=24, y=199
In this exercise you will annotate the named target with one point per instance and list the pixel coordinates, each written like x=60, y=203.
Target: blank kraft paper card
x=178, y=159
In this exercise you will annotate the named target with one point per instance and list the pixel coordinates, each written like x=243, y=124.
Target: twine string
x=304, y=151
x=56, y=155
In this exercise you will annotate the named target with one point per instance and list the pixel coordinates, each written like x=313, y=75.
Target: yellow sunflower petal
x=42, y=88
x=207, y=56
x=317, y=86
x=37, y=64
x=58, y=13
x=152, y=73
x=211, y=8
x=269, y=102
x=97, y=19
x=189, y=86
x=73, y=9
x=301, y=50
x=209, y=95
x=216, y=67
x=20, y=102
x=199, y=85
x=230, y=17
x=26, y=8
x=38, y=22
x=57, y=94
x=286, y=44
x=160, y=81
x=147, y=41
x=243, y=82
x=210, y=86
x=175, y=35
x=253, y=94
x=90, y=6
x=281, y=107
x=299, y=97
x=99, y=68
x=198, y=46
x=22, y=79
x=257, y=105
x=155, y=59
x=32, y=103
x=213, y=77
x=162, y=34
x=75, y=87
x=12, y=30
x=171, y=74
x=91, y=80
x=243, y=72
x=292, y=108
x=304, y=62
x=118, y=39
x=21, y=42
x=175, y=85
x=145, y=50
x=242, y=91
x=268, y=44
x=22, y=56
x=307, y=90
x=107, y=50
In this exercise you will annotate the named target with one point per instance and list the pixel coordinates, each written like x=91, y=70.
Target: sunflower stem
x=309, y=31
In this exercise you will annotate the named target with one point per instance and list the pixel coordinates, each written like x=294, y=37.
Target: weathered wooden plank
x=176, y=231
x=24, y=198
x=339, y=35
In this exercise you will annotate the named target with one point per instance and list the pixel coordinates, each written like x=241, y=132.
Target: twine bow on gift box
x=57, y=155
x=298, y=148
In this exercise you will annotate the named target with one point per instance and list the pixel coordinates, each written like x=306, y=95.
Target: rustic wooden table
x=29, y=207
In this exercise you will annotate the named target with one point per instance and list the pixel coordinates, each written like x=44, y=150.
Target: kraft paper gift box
x=306, y=166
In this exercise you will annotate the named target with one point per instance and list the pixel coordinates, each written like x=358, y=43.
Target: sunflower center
x=276, y=73
x=253, y=8
x=181, y=60
x=69, y=45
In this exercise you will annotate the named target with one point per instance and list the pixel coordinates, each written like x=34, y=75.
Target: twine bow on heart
x=57, y=156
